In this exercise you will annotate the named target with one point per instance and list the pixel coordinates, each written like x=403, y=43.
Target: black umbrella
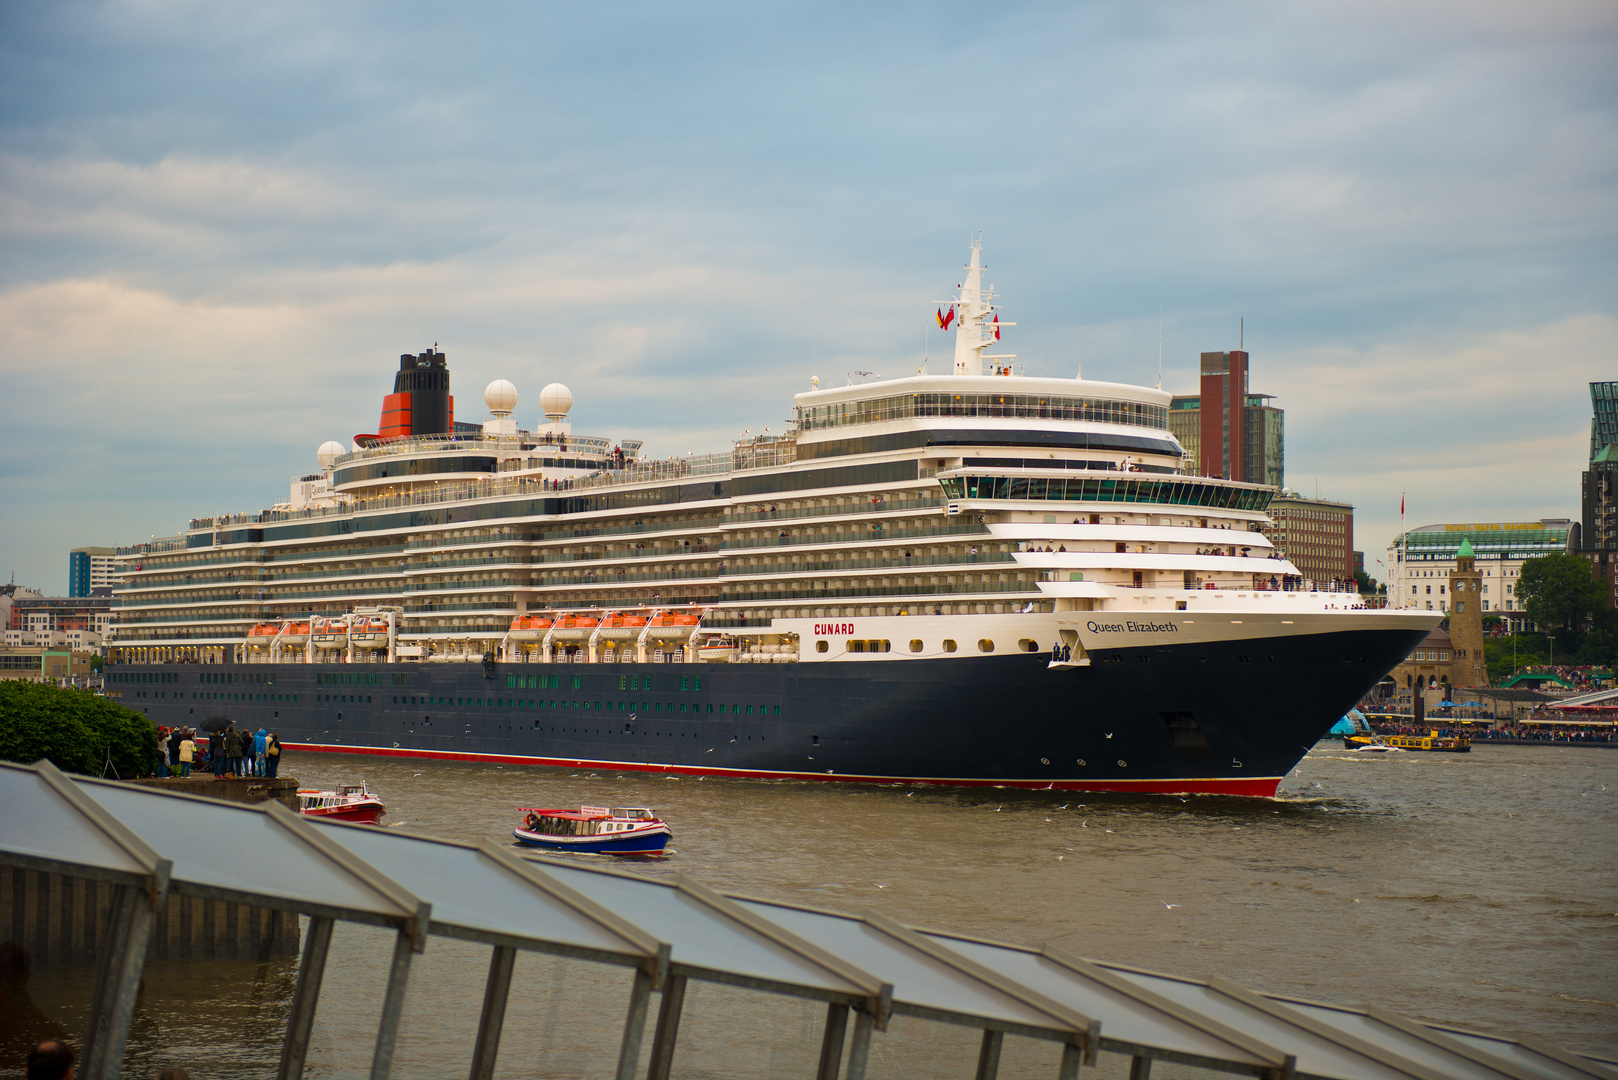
x=214, y=723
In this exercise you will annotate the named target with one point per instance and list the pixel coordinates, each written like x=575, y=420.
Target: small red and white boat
x=350, y=802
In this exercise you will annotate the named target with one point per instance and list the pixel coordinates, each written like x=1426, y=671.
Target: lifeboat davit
x=674, y=625
x=330, y=633
x=296, y=637
x=369, y=633
x=622, y=627
x=260, y=636
x=528, y=628
x=574, y=627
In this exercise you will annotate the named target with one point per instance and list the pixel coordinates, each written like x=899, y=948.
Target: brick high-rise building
x=1224, y=414
x=1598, y=524
x=1228, y=431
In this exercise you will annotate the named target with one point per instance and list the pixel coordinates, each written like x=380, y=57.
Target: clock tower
x=1467, y=666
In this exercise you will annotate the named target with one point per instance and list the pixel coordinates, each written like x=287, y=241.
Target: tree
x=1561, y=594
x=96, y=664
x=78, y=731
x=1367, y=583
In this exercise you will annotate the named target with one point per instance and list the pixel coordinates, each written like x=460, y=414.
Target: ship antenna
x=1160, y=350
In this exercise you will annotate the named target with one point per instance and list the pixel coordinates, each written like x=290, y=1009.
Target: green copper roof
x=1608, y=453
x=1465, y=551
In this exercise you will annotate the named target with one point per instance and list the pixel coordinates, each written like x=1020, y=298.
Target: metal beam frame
x=496, y=992
x=989, y=1054
x=640, y=996
x=668, y=1028
x=311, y=971
x=831, y=1041
x=387, y=1029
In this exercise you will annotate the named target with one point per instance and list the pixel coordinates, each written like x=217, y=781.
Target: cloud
x=222, y=225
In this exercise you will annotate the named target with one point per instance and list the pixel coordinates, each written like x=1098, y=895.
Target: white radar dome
x=500, y=396
x=555, y=400
x=330, y=451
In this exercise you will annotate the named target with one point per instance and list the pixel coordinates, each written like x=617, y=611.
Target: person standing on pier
x=233, y=750
x=272, y=757
x=187, y=753
x=260, y=744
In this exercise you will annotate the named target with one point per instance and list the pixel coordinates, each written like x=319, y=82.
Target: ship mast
x=977, y=326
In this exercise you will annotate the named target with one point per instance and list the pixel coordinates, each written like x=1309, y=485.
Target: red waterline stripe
x=1259, y=787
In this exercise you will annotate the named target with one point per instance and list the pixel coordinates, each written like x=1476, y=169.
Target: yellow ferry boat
x=1446, y=744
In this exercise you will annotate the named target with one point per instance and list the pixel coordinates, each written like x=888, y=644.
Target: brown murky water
x=1479, y=890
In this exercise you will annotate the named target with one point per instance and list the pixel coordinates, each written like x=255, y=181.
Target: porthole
x=1122, y=764
x=915, y=645
x=821, y=646
x=949, y=645
x=985, y=645
x=1081, y=762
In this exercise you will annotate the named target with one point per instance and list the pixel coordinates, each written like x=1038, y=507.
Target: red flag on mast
x=944, y=320
x=997, y=327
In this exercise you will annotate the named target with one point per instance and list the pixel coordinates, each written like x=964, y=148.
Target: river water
x=1479, y=890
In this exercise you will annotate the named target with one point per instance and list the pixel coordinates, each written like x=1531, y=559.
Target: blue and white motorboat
x=597, y=830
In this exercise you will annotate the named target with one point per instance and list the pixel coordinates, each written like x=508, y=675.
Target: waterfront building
x=44, y=614
x=1429, y=665
x=1316, y=535
x=41, y=663
x=1204, y=424
x=1420, y=561
x=977, y=577
x=90, y=569
x=1598, y=525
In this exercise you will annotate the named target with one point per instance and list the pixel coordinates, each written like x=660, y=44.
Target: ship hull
x=1229, y=718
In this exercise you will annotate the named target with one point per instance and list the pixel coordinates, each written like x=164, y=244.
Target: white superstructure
x=976, y=512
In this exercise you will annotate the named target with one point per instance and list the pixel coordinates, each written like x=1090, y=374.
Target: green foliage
x=1562, y=595
x=75, y=729
x=1530, y=650
x=1367, y=583
x=97, y=663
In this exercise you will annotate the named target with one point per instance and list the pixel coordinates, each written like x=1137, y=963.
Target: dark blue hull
x=1230, y=718
x=620, y=845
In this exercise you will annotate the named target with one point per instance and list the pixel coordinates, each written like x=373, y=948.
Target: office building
x=1317, y=535
x=88, y=569
x=1228, y=431
x=1421, y=560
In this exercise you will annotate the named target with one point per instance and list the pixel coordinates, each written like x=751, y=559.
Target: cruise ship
x=974, y=578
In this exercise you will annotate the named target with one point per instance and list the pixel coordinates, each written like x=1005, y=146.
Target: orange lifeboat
x=620, y=626
x=370, y=632
x=529, y=628
x=574, y=627
x=674, y=625
x=296, y=637
x=330, y=633
x=260, y=636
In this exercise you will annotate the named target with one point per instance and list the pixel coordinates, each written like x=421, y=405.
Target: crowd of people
x=228, y=753
x=1528, y=732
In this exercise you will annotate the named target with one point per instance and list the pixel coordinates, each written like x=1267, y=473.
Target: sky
x=221, y=224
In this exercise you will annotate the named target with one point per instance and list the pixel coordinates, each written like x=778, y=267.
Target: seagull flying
x=1168, y=905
